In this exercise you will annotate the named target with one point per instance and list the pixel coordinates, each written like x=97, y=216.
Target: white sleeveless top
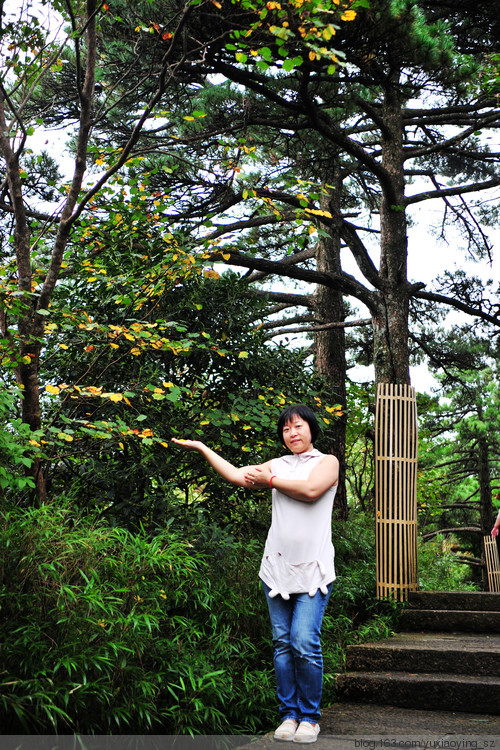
x=299, y=554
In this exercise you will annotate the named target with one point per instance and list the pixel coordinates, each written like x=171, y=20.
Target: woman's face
x=297, y=435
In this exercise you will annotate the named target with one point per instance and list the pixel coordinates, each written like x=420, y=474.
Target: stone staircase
x=445, y=657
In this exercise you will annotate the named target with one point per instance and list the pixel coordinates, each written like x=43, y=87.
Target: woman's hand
x=189, y=445
x=258, y=476
x=494, y=531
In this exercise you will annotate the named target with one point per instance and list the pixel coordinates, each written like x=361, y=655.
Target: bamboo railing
x=396, y=453
x=492, y=563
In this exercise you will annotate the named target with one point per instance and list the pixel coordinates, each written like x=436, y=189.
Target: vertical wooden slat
x=492, y=563
x=396, y=450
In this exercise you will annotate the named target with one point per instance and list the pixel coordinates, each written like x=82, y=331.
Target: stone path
x=353, y=726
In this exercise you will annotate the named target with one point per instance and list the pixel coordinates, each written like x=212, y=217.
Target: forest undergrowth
x=108, y=631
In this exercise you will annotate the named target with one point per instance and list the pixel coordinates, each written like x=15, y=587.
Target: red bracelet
x=271, y=481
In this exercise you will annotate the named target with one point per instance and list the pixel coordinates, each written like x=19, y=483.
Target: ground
x=348, y=726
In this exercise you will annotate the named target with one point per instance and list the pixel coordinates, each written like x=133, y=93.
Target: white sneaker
x=286, y=731
x=306, y=732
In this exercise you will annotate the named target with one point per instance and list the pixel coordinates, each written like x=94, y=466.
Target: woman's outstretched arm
x=227, y=470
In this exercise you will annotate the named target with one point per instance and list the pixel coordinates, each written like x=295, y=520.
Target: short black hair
x=302, y=411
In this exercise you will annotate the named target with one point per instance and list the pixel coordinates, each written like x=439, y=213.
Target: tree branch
x=451, y=302
x=457, y=529
x=457, y=190
x=342, y=282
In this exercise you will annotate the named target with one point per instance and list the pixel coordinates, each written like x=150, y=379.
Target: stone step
x=437, y=692
x=483, y=601
x=457, y=620
x=428, y=652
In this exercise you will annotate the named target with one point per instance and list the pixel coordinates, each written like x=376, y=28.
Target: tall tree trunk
x=485, y=493
x=390, y=336
x=31, y=321
x=390, y=313
x=485, y=496
x=330, y=343
x=395, y=482
x=29, y=341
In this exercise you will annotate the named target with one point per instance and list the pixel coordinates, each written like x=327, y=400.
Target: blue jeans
x=298, y=660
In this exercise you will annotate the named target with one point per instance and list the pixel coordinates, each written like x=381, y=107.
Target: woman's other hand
x=258, y=476
x=189, y=445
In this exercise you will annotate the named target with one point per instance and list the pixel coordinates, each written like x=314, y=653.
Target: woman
x=297, y=569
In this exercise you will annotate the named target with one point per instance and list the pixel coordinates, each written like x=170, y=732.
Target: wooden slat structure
x=396, y=455
x=492, y=563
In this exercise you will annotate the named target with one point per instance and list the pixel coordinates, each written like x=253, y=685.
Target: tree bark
x=390, y=313
x=330, y=356
x=31, y=322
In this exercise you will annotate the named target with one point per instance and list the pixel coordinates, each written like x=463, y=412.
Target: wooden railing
x=492, y=563
x=396, y=455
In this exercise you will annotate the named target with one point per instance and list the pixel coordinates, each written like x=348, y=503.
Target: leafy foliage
x=439, y=569
x=15, y=450
x=105, y=631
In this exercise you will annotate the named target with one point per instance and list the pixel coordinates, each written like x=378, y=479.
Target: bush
x=439, y=569
x=104, y=631
x=108, y=632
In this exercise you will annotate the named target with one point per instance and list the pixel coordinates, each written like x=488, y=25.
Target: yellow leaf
x=226, y=256
x=63, y=346
x=135, y=351
x=52, y=389
x=189, y=118
x=316, y=212
x=116, y=397
x=64, y=436
x=243, y=355
x=165, y=445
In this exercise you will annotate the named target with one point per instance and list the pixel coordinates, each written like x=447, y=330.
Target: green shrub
x=104, y=631
x=439, y=568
